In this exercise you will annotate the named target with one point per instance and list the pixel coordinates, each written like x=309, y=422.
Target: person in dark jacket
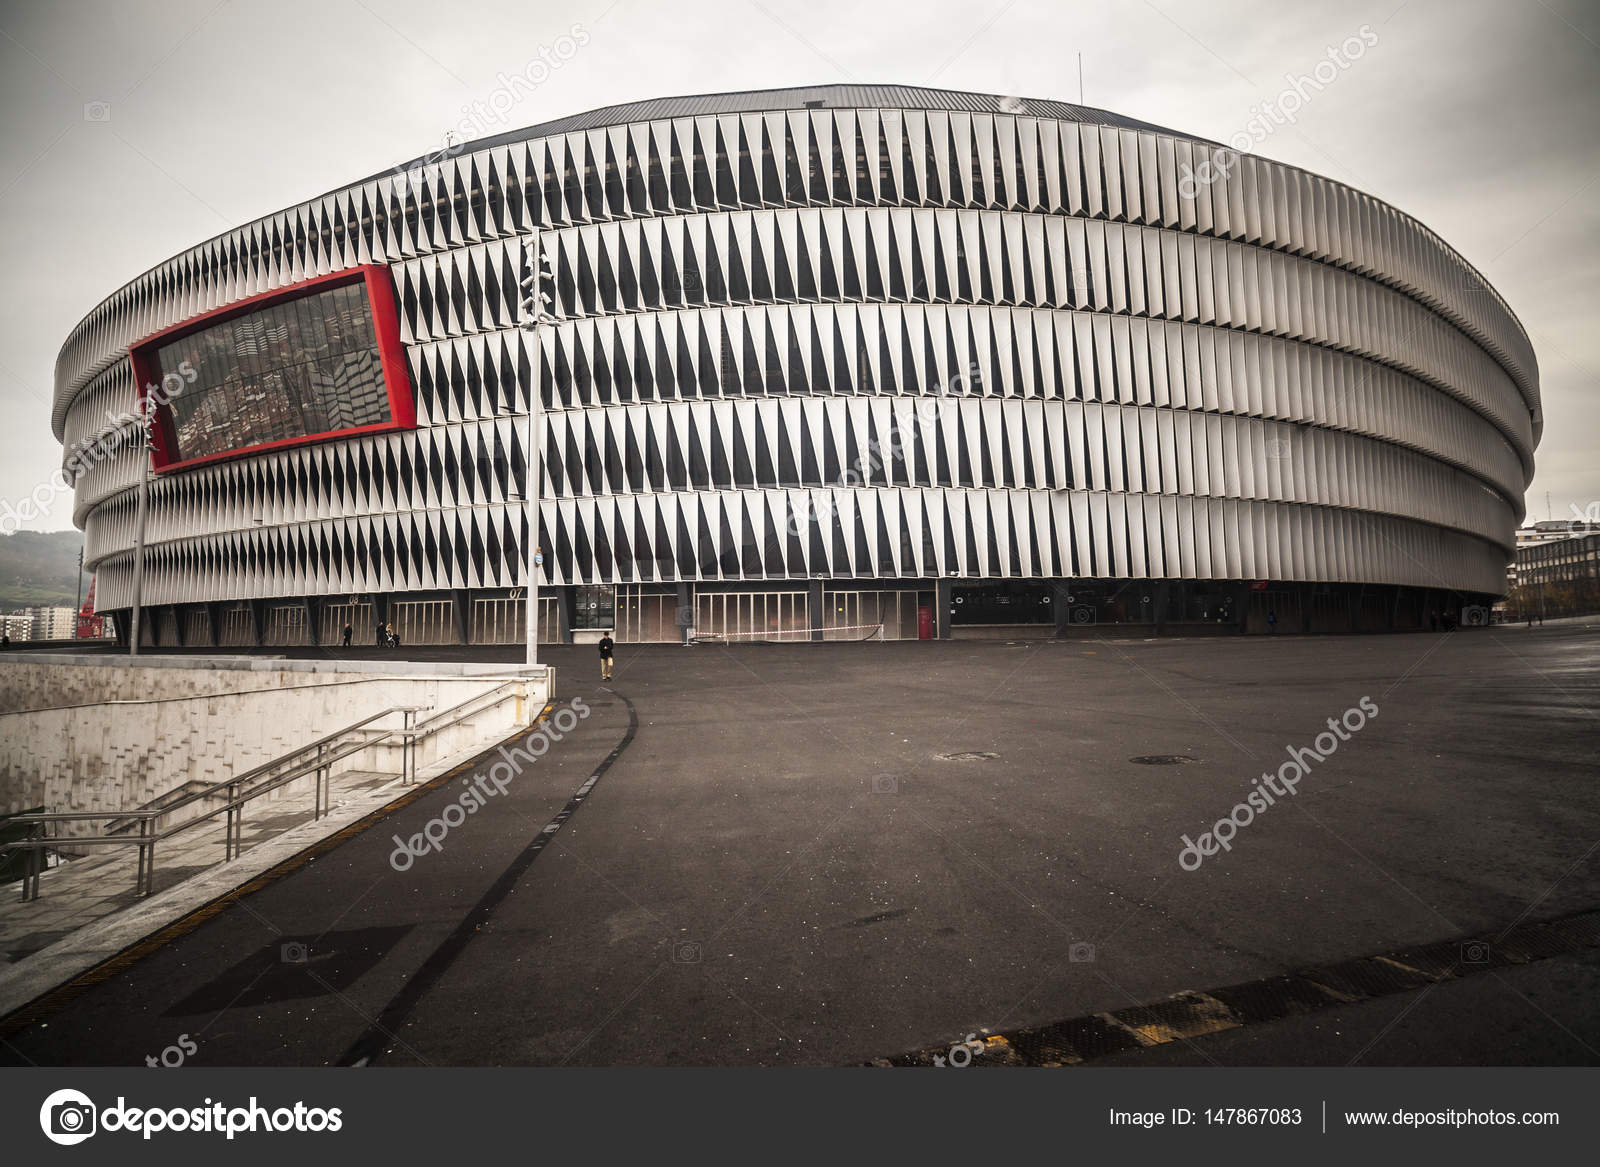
x=606, y=646
x=348, y=631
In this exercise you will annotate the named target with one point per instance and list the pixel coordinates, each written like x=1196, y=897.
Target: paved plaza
x=826, y=854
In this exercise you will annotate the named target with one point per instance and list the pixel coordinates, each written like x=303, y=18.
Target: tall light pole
x=77, y=604
x=146, y=412
x=536, y=302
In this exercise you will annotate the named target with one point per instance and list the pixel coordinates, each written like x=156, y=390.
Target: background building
x=55, y=624
x=45, y=623
x=1544, y=531
x=821, y=359
x=1558, y=577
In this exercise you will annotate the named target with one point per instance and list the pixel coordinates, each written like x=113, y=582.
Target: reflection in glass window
x=290, y=370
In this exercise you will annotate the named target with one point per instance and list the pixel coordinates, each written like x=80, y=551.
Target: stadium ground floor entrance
x=800, y=610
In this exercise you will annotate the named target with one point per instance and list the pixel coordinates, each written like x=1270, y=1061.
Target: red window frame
x=391, y=359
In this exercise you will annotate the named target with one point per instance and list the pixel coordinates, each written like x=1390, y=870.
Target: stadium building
x=817, y=361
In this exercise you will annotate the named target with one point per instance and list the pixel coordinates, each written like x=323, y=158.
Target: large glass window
x=594, y=606
x=290, y=370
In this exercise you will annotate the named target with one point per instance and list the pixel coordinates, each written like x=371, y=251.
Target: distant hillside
x=38, y=569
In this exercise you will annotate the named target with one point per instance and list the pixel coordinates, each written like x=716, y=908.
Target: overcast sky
x=1479, y=119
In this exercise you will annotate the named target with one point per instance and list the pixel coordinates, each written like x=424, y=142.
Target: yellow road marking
x=1206, y=1015
x=1405, y=967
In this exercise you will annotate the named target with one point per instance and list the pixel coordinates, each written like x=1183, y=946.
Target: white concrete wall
x=32, y=680
x=25, y=684
x=110, y=753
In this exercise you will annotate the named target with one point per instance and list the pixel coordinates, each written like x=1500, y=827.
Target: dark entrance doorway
x=1002, y=603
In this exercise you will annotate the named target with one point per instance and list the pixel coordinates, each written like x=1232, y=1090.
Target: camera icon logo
x=1085, y=614
x=97, y=111
x=294, y=952
x=885, y=784
x=1081, y=952
x=1474, y=952
x=685, y=952
x=67, y=1117
x=1475, y=616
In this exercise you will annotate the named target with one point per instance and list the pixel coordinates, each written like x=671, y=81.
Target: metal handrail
x=318, y=745
x=147, y=838
x=209, y=791
x=455, y=714
x=327, y=753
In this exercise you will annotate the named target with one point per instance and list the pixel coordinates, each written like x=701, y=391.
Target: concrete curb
x=1193, y=1014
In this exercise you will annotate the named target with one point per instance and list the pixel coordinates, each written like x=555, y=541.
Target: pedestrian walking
x=1272, y=621
x=606, y=645
x=348, y=631
x=380, y=636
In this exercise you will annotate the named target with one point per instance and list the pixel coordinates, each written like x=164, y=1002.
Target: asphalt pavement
x=826, y=854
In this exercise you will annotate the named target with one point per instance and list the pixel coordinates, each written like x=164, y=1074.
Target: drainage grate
x=1162, y=759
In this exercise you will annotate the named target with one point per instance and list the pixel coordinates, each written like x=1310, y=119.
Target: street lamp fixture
x=147, y=409
x=536, y=312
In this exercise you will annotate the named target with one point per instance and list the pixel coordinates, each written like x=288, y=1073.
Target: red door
x=925, y=622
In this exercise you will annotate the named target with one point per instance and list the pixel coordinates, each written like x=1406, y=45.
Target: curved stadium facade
x=817, y=360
